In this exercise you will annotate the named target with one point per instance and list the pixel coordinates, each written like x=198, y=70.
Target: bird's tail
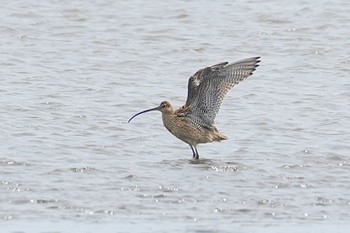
x=219, y=136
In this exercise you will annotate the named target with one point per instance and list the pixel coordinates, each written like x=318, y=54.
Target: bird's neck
x=169, y=120
x=169, y=111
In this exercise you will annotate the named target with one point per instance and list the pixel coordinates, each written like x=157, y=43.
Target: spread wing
x=210, y=87
x=196, y=79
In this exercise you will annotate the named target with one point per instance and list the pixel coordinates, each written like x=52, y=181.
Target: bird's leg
x=193, y=151
x=197, y=155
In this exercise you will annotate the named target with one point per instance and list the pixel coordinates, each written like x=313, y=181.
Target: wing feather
x=196, y=79
x=204, y=101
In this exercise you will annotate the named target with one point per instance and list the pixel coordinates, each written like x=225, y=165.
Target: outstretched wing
x=207, y=96
x=196, y=79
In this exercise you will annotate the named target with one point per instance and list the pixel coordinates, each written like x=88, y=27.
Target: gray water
x=73, y=72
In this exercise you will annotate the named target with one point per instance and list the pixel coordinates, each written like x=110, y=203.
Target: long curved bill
x=148, y=110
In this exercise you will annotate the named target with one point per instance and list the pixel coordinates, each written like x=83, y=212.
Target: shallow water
x=72, y=74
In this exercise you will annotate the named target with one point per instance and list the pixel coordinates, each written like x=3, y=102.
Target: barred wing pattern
x=196, y=79
x=213, y=86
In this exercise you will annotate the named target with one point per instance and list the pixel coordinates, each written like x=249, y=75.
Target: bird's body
x=180, y=127
x=193, y=123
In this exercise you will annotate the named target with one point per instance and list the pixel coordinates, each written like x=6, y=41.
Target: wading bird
x=193, y=123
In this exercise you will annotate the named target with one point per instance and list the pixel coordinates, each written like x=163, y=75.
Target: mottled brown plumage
x=193, y=123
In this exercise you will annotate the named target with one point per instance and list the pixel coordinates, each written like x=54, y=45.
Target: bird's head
x=164, y=107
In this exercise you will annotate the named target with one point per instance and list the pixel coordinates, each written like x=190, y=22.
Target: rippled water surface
x=73, y=72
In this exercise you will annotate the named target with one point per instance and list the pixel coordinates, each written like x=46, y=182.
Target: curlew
x=193, y=123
